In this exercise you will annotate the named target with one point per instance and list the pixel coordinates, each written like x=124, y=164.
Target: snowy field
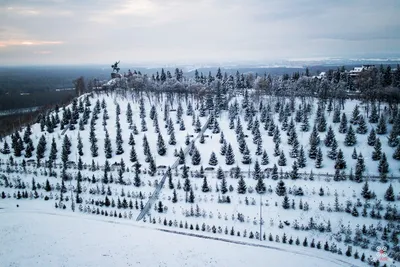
x=34, y=237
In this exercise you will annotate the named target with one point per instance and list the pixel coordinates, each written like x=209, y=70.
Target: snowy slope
x=223, y=217
x=64, y=239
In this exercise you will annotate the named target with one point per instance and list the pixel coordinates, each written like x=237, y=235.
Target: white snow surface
x=31, y=236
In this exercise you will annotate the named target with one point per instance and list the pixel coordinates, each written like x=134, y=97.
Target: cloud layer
x=189, y=31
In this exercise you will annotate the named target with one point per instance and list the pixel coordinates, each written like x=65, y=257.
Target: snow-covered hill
x=326, y=191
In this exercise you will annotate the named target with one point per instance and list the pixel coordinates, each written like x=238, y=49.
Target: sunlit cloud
x=33, y=11
x=28, y=43
x=46, y=52
x=136, y=9
x=21, y=10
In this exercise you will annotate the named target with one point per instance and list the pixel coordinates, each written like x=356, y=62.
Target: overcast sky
x=195, y=31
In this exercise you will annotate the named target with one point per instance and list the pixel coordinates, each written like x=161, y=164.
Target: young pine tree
x=377, y=153
x=318, y=161
x=205, y=188
x=213, y=159
x=350, y=139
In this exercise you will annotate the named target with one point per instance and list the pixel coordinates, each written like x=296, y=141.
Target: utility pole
x=260, y=217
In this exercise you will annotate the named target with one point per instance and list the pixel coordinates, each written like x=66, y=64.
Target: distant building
x=320, y=76
x=357, y=70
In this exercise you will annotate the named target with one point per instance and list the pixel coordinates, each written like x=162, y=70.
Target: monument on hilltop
x=115, y=72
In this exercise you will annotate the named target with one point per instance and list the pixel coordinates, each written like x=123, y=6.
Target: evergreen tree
x=377, y=153
x=336, y=177
x=381, y=127
x=65, y=150
x=181, y=157
x=6, y=148
x=137, y=181
x=224, y=186
x=131, y=140
x=294, y=175
x=392, y=139
x=80, y=146
x=274, y=174
x=94, y=149
x=360, y=168
x=161, y=149
x=302, y=158
x=221, y=138
x=18, y=148
x=285, y=202
x=332, y=153
x=365, y=192
x=257, y=171
x=321, y=126
x=118, y=140
x=230, y=157
x=350, y=139
x=362, y=126
x=132, y=155
x=53, y=150
x=169, y=175
x=340, y=162
x=29, y=149
x=205, y=188
x=318, y=161
x=213, y=160
x=355, y=115
x=354, y=154
x=174, y=197
x=242, y=188
x=41, y=148
x=295, y=145
x=313, y=141
x=383, y=166
x=107, y=146
x=389, y=194
x=374, y=117
x=172, y=140
x=277, y=136
x=142, y=108
x=196, y=158
x=282, y=159
x=47, y=187
x=336, y=115
x=330, y=135
x=129, y=114
x=264, y=159
x=343, y=124
x=371, y=137
x=152, y=166
x=280, y=188
x=260, y=186
x=305, y=126
x=224, y=147
x=191, y=196
x=277, y=150
x=396, y=154
x=259, y=150
x=27, y=133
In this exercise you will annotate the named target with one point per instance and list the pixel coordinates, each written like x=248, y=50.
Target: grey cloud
x=158, y=30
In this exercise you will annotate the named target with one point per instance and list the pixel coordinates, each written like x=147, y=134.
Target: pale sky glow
x=188, y=31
